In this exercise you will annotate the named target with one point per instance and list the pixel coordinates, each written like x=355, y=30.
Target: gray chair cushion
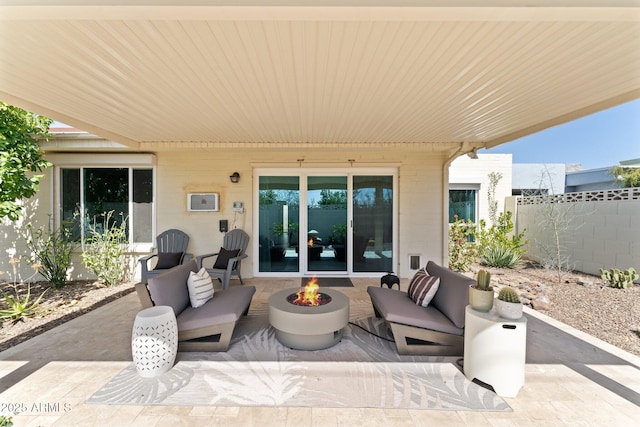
x=396, y=306
x=223, y=258
x=453, y=294
x=225, y=306
x=168, y=260
x=170, y=287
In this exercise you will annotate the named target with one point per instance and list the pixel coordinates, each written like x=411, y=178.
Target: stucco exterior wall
x=474, y=173
x=420, y=199
x=593, y=234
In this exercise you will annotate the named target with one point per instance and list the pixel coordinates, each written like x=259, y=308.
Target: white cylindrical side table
x=494, y=350
x=154, y=341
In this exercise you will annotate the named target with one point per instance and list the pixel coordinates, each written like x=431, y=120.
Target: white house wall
x=466, y=172
x=420, y=216
x=420, y=200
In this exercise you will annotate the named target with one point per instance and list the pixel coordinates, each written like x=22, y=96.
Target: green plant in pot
x=508, y=304
x=481, y=295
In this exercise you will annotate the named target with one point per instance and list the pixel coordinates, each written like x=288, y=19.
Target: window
x=88, y=193
x=463, y=204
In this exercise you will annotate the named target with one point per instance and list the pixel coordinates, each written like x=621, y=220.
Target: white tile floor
x=571, y=379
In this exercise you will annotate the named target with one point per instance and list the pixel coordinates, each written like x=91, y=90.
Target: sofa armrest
x=143, y=295
x=201, y=258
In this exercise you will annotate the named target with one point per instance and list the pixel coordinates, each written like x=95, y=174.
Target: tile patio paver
x=571, y=379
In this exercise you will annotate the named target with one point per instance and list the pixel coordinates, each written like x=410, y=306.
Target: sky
x=600, y=140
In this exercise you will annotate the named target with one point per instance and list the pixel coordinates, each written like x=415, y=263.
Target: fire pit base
x=308, y=328
x=309, y=342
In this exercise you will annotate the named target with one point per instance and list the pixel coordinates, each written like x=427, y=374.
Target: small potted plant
x=508, y=304
x=481, y=295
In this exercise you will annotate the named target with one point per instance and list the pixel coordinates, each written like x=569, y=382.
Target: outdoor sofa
x=437, y=329
x=206, y=328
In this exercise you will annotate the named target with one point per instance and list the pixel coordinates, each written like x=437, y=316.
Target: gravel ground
x=56, y=306
x=582, y=301
x=579, y=300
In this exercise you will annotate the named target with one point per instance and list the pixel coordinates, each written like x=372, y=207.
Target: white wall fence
x=596, y=229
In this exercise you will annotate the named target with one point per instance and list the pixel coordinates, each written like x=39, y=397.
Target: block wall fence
x=597, y=229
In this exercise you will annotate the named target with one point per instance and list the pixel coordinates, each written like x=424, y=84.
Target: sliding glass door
x=346, y=224
x=278, y=223
x=372, y=223
x=326, y=224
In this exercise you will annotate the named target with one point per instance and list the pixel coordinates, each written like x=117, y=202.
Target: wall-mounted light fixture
x=234, y=177
x=473, y=153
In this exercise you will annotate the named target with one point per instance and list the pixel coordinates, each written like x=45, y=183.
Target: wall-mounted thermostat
x=238, y=206
x=203, y=202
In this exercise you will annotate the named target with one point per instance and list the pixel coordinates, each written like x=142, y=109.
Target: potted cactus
x=481, y=295
x=508, y=304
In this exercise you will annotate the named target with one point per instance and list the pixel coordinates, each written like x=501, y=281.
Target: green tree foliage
x=332, y=198
x=20, y=157
x=629, y=177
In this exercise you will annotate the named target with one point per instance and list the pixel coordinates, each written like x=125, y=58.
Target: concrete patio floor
x=571, y=379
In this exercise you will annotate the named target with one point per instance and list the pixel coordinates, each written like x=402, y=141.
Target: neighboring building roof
x=538, y=178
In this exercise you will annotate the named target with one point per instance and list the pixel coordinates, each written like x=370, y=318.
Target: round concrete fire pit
x=308, y=327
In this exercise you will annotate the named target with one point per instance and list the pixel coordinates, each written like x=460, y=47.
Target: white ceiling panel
x=157, y=75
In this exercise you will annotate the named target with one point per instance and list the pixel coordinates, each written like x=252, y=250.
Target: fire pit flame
x=309, y=295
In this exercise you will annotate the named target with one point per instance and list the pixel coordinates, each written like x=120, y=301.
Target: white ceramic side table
x=494, y=350
x=154, y=341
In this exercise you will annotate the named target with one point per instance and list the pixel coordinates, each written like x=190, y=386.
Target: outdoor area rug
x=328, y=282
x=361, y=371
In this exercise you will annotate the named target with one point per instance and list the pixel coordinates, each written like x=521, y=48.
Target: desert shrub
x=501, y=256
x=462, y=250
x=51, y=251
x=104, y=250
x=18, y=308
x=498, y=241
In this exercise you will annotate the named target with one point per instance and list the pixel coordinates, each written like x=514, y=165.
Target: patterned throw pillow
x=423, y=287
x=200, y=287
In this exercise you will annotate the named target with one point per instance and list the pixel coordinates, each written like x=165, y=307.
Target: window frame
x=462, y=187
x=108, y=161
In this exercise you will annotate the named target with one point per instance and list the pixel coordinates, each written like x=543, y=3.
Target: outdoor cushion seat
x=437, y=329
x=206, y=328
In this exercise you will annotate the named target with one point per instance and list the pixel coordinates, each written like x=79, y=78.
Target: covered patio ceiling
x=352, y=73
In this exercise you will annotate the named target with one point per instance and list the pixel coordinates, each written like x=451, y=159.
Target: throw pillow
x=168, y=260
x=200, y=287
x=224, y=256
x=423, y=287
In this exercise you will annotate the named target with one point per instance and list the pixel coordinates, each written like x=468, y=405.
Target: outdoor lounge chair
x=435, y=330
x=228, y=259
x=172, y=250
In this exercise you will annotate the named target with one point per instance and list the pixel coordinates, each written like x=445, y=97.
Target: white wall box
x=203, y=202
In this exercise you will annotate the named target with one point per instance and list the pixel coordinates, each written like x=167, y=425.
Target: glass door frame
x=303, y=174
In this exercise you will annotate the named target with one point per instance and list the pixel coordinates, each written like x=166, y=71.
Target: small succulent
x=484, y=280
x=619, y=279
x=508, y=295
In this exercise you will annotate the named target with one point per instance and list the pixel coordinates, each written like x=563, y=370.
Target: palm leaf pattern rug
x=362, y=371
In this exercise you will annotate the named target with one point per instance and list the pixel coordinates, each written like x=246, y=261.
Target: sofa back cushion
x=170, y=287
x=452, y=297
